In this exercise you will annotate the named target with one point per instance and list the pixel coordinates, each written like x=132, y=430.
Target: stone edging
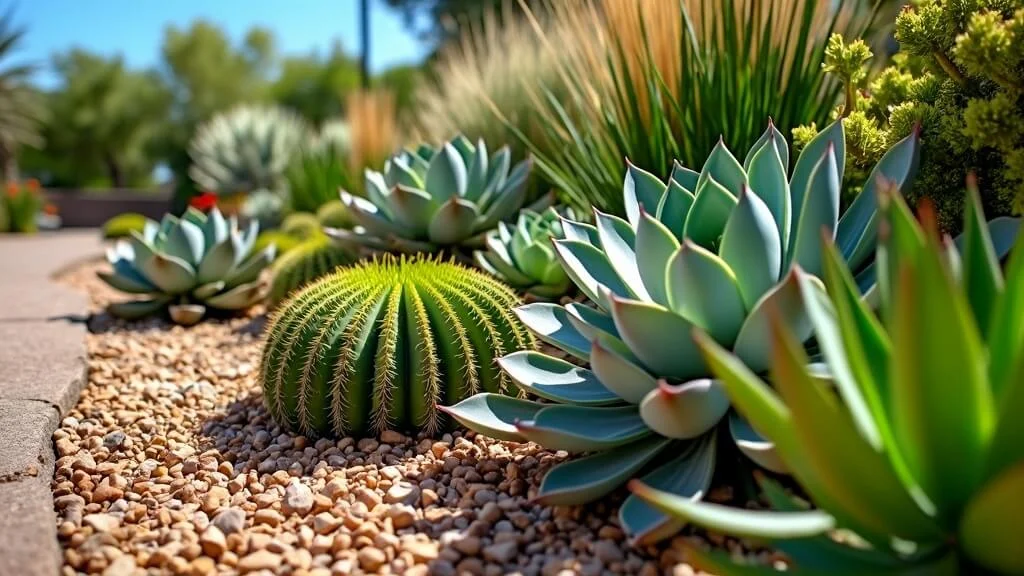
x=43, y=366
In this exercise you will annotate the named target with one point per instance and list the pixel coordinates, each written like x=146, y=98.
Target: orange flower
x=12, y=189
x=50, y=209
x=33, y=185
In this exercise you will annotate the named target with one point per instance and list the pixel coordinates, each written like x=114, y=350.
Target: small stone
x=230, y=521
x=607, y=551
x=213, y=542
x=402, y=492
x=335, y=489
x=367, y=445
x=114, y=440
x=267, y=516
x=501, y=552
x=298, y=498
x=202, y=566
x=391, y=437
x=491, y=512
x=371, y=558
x=468, y=545
x=259, y=560
x=368, y=497
x=122, y=566
x=421, y=551
x=402, y=516
x=325, y=523
x=101, y=522
x=106, y=493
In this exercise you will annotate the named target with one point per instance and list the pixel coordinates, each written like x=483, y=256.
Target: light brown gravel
x=169, y=464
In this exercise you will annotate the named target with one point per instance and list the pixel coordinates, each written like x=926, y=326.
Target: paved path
x=42, y=371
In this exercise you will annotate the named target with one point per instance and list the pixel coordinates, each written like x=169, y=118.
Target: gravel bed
x=170, y=464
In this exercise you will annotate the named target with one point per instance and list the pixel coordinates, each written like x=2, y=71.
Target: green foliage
x=445, y=197
x=187, y=265
x=122, y=225
x=334, y=214
x=246, y=149
x=721, y=250
x=312, y=85
x=308, y=261
x=922, y=458
x=379, y=345
x=961, y=77
x=302, y=225
x=320, y=171
x=521, y=254
x=282, y=241
x=19, y=208
x=677, y=76
x=21, y=106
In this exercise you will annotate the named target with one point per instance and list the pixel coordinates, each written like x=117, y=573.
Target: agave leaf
x=1007, y=444
x=498, y=262
x=245, y=241
x=832, y=136
x=217, y=262
x=858, y=228
x=754, y=343
x=617, y=241
x=127, y=279
x=494, y=415
x=586, y=479
x=578, y=231
x=686, y=410
x=551, y=324
x=820, y=211
x=402, y=174
x=771, y=136
x=237, y=298
x=617, y=374
x=754, y=446
x=688, y=475
x=767, y=174
x=497, y=170
x=556, y=380
x=655, y=245
x=476, y=178
x=981, y=275
x=684, y=177
x=709, y=213
x=378, y=196
x=453, y=222
x=172, y=275
x=371, y=217
x=207, y=290
x=135, y=309
x=412, y=208
x=584, y=428
x=446, y=176
x=644, y=327
x=505, y=201
x=674, y=207
x=989, y=528
x=215, y=229
x=704, y=290
x=464, y=147
x=249, y=270
x=722, y=167
x=590, y=269
x=641, y=190
x=186, y=241
x=535, y=259
x=596, y=326
x=752, y=248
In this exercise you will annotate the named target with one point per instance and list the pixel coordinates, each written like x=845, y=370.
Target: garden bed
x=171, y=463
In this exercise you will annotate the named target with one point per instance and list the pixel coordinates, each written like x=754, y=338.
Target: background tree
x=315, y=86
x=21, y=105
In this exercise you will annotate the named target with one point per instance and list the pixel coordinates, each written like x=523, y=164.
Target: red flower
x=33, y=185
x=12, y=189
x=204, y=201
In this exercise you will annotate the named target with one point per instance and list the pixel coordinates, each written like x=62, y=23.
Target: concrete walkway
x=42, y=372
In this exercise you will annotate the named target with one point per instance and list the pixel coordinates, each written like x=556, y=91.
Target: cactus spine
x=309, y=261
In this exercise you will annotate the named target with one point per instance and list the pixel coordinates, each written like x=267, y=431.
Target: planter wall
x=90, y=209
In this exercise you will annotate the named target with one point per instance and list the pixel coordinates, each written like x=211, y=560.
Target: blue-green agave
x=187, y=265
x=717, y=250
x=921, y=453
x=522, y=255
x=426, y=199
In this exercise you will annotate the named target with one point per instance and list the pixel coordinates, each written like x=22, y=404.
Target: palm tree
x=21, y=106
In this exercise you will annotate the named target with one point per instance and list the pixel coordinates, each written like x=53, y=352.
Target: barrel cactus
x=187, y=265
x=379, y=345
x=437, y=198
x=334, y=214
x=301, y=225
x=310, y=260
x=246, y=149
x=721, y=250
x=522, y=254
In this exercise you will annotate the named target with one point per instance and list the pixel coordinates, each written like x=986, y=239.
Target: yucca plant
x=310, y=260
x=187, y=265
x=919, y=448
x=522, y=255
x=377, y=346
x=437, y=198
x=246, y=149
x=719, y=250
x=317, y=174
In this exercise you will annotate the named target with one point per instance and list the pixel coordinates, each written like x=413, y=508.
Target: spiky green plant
x=377, y=346
x=187, y=265
x=720, y=250
x=246, y=149
x=308, y=261
x=436, y=198
x=334, y=214
x=317, y=174
x=121, y=226
x=522, y=255
x=921, y=455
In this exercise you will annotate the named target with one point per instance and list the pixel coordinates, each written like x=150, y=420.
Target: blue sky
x=134, y=28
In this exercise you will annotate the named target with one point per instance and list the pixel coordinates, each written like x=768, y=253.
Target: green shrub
x=317, y=175
x=379, y=345
x=306, y=262
x=20, y=207
x=122, y=225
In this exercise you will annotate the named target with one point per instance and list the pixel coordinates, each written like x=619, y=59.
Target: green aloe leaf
x=446, y=176
x=238, y=297
x=556, y=380
x=372, y=217
x=578, y=231
x=401, y=173
x=494, y=415
x=989, y=530
x=586, y=479
x=498, y=261
x=127, y=279
x=135, y=309
x=641, y=190
x=1007, y=444
x=771, y=136
x=550, y=322
x=217, y=262
x=722, y=167
x=704, y=290
x=981, y=275
x=205, y=291
x=832, y=136
x=1006, y=334
x=249, y=270
x=503, y=202
x=685, y=411
x=454, y=221
x=644, y=327
x=752, y=248
x=378, y=195
x=688, y=475
x=584, y=428
x=590, y=269
x=596, y=326
x=185, y=241
x=497, y=169
x=710, y=211
x=683, y=176
x=755, y=446
x=412, y=208
x=617, y=241
x=768, y=180
x=476, y=178
x=215, y=229
x=674, y=207
x=624, y=378
x=655, y=245
x=820, y=211
x=786, y=299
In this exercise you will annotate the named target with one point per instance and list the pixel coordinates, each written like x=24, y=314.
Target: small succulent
x=719, y=250
x=522, y=254
x=187, y=265
x=308, y=261
x=121, y=226
x=921, y=452
x=437, y=198
x=377, y=346
x=245, y=149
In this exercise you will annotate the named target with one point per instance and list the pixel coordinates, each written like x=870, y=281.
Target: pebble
x=501, y=552
x=230, y=521
x=371, y=558
x=298, y=498
x=259, y=560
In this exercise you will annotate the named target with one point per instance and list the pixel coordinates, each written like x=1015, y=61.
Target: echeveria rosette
x=522, y=255
x=187, y=265
x=719, y=250
x=926, y=445
x=429, y=199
